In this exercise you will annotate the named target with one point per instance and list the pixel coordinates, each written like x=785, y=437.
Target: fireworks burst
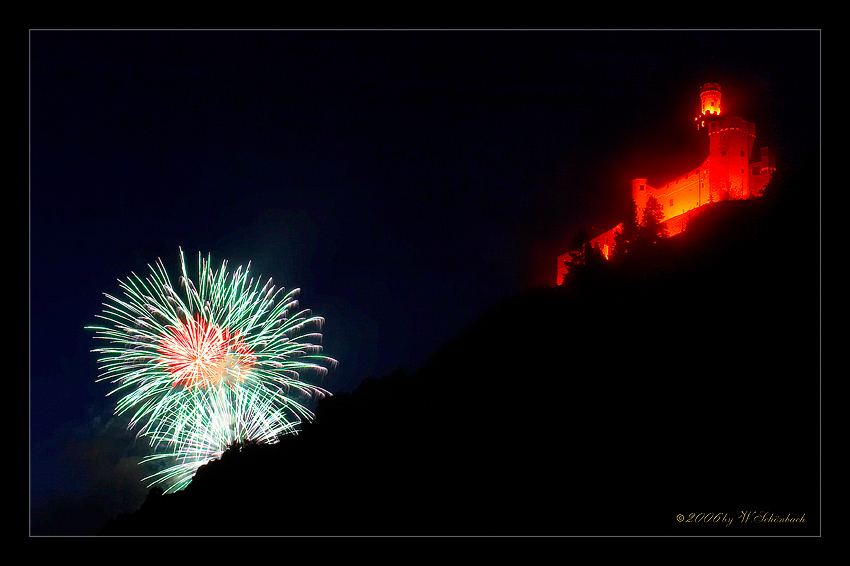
x=224, y=362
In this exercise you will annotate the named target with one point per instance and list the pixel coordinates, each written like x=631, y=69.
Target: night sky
x=404, y=180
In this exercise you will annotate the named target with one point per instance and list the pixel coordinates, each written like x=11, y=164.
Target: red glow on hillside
x=201, y=354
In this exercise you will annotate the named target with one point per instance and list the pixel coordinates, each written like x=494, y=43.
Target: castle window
x=742, y=153
x=641, y=187
x=671, y=202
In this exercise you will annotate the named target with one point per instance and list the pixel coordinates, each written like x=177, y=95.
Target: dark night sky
x=404, y=180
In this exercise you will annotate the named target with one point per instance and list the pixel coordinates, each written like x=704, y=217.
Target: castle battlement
x=729, y=172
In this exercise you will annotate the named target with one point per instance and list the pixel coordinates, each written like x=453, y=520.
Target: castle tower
x=709, y=104
x=730, y=143
x=639, y=195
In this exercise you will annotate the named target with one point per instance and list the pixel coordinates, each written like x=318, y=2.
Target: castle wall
x=563, y=260
x=604, y=242
x=725, y=174
x=679, y=223
x=682, y=194
x=761, y=172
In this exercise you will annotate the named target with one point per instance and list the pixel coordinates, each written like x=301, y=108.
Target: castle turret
x=709, y=104
x=640, y=191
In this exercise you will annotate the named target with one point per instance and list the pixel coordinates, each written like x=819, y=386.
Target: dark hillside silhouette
x=682, y=378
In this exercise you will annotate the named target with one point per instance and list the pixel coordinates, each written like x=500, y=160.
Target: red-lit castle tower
x=726, y=174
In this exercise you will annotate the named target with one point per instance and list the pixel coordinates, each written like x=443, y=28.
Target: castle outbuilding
x=729, y=172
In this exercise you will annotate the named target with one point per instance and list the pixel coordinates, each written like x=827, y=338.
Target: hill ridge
x=567, y=411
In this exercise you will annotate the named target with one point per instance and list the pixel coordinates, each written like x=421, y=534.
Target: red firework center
x=199, y=354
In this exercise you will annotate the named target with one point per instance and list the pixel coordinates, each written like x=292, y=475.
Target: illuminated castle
x=728, y=173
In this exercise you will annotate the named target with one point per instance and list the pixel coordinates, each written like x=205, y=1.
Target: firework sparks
x=224, y=362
